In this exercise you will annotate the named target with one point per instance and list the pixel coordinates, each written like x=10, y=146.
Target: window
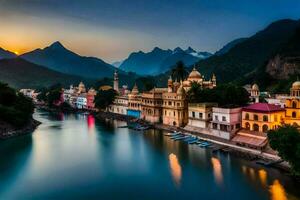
x=294, y=104
x=247, y=116
x=208, y=115
x=265, y=118
x=237, y=126
x=193, y=114
x=200, y=115
x=217, y=118
x=174, y=114
x=215, y=126
x=275, y=118
x=255, y=117
x=255, y=127
x=224, y=119
x=265, y=128
x=294, y=114
x=223, y=127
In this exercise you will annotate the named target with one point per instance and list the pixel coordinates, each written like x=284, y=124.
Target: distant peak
x=157, y=49
x=178, y=49
x=190, y=50
x=57, y=44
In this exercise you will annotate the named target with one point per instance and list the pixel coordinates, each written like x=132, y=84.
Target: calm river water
x=77, y=157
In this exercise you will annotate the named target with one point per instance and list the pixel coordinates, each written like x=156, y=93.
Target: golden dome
x=105, y=87
x=296, y=85
x=195, y=74
x=255, y=87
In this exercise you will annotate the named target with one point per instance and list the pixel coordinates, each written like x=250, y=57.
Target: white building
x=226, y=122
x=120, y=105
x=68, y=93
x=81, y=101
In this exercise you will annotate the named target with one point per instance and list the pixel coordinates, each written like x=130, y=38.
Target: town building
x=254, y=93
x=225, y=122
x=152, y=105
x=90, y=98
x=120, y=105
x=31, y=93
x=175, y=106
x=81, y=101
x=195, y=76
x=292, y=105
x=116, y=81
x=134, y=103
x=200, y=114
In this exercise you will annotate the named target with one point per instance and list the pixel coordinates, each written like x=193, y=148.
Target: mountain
x=20, y=73
x=229, y=46
x=247, y=56
x=159, y=60
x=6, y=54
x=58, y=58
x=117, y=64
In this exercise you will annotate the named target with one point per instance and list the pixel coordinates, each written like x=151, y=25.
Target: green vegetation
x=15, y=108
x=286, y=140
x=179, y=72
x=50, y=95
x=225, y=95
x=104, y=98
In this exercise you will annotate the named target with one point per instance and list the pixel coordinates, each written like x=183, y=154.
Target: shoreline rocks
x=9, y=131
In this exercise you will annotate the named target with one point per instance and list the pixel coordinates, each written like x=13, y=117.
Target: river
x=76, y=156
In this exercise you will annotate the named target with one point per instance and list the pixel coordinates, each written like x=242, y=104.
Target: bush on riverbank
x=15, y=108
x=286, y=140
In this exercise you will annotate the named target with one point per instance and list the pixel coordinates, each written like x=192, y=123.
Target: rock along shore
x=8, y=131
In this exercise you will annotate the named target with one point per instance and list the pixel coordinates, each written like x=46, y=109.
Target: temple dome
x=195, y=74
x=255, y=87
x=296, y=85
x=135, y=90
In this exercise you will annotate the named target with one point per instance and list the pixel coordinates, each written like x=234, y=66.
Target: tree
x=104, y=98
x=179, y=72
x=145, y=83
x=224, y=95
x=286, y=140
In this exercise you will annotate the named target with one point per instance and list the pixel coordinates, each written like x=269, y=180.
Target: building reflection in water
x=277, y=191
x=175, y=169
x=262, y=177
x=217, y=169
x=91, y=123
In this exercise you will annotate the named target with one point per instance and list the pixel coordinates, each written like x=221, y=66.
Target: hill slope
x=58, y=58
x=250, y=54
x=6, y=54
x=20, y=73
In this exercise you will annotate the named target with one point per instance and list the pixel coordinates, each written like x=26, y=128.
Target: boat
x=176, y=136
x=204, y=144
x=180, y=138
x=195, y=140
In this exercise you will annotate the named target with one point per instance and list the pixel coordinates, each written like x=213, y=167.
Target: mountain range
x=59, y=58
x=159, y=60
x=251, y=53
x=20, y=73
x=6, y=54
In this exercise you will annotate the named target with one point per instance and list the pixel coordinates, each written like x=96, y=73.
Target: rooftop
x=263, y=107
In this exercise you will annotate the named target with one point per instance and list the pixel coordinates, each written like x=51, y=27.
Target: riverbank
x=267, y=155
x=8, y=131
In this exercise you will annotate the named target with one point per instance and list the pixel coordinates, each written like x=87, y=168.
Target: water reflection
x=217, y=169
x=91, y=124
x=262, y=177
x=175, y=169
x=277, y=191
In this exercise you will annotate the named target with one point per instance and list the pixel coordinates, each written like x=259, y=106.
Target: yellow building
x=151, y=105
x=195, y=76
x=292, y=105
x=261, y=117
x=175, y=106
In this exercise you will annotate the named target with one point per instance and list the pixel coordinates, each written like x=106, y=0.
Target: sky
x=112, y=29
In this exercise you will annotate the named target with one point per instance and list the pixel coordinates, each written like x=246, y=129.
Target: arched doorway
x=265, y=128
x=247, y=126
x=294, y=114
x=174, y=123
x=255, y=127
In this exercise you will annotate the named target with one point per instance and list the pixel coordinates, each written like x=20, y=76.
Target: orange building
x=261, y=117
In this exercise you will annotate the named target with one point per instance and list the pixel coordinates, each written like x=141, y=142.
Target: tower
x=214, y=80
x=116, y=81
x=170, y=84
x=254, y=93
